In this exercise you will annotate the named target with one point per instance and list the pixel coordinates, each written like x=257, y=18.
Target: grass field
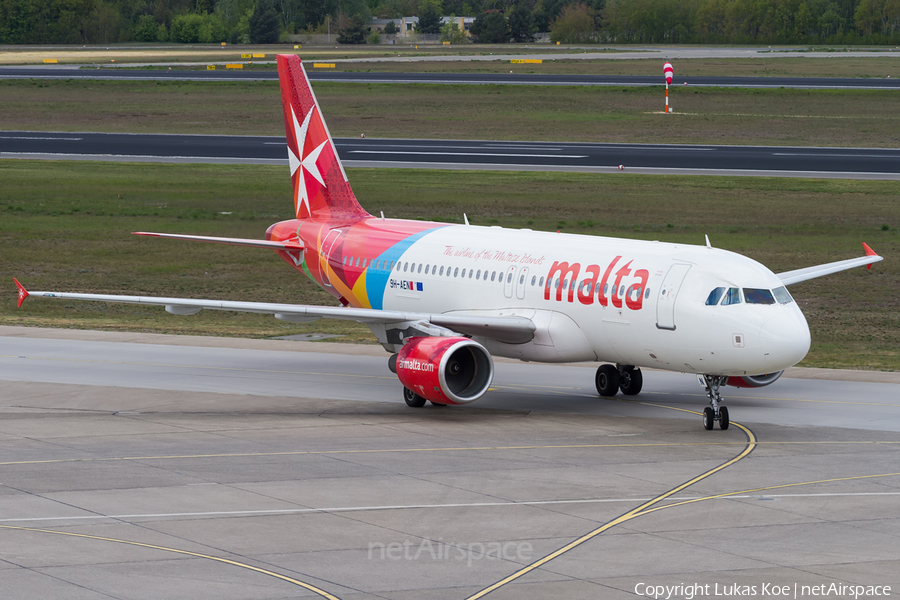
x=65, y=226
x=587, y=114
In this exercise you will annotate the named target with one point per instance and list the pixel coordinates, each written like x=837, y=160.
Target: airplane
x=443, y=299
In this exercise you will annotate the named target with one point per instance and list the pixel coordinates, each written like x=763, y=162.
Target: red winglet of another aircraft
x=23, y=293
x=869, y=252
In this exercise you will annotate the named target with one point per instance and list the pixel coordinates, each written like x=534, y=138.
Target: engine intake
x=754, y=381
x=444, y=370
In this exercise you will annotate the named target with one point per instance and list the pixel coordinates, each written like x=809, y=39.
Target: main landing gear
x=612, y=378
x=715, y=411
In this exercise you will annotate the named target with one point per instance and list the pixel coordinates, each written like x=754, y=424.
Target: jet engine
x=445, y=370
x=754, y=381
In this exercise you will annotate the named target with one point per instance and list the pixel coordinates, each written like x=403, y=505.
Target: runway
x=144, y=466
x=869, y=163
x=221, y=74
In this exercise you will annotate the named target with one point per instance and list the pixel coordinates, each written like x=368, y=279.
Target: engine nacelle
x=445, y=370
x=754, y=381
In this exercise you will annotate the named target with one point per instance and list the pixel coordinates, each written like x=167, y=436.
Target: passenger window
x=420, y=267
x=471, y=272
x=392, y=265
x=405, y=266
x=556, y=284
x=758, y=296
x=427, y=267
x=732, y=296
x=478, y=275
x=493, y=275
x=715, y=296
x=647, y=293
x=533, y=279
x=442, y=272
x=509, y=278
x=782, y=295
x=412, y=268
x=345, y=260
x=456, y=271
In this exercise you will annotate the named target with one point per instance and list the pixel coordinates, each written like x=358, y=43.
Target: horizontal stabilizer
x=286, y=245
x=798, y=275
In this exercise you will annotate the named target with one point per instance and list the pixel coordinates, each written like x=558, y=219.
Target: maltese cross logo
x=304, y=163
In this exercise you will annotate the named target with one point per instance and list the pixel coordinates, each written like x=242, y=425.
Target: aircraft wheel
x=631, y=382
x=413, y=399
x=607, y=380
x=723, y=418
x=438, y=404
x=709, y=418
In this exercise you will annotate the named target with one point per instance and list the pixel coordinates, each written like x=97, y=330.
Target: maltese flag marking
x=304, y=163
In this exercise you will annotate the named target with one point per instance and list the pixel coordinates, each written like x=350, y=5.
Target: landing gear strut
x=612, y=378
x=715, y=411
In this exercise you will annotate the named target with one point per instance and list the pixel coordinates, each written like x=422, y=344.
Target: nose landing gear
x=715, y=411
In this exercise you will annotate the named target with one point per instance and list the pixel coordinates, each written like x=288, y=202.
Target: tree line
x=497, y=21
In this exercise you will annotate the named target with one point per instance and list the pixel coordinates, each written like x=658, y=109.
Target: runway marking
x=452, y=449
x=226, y=561
x=55, y=139
x=455, y=449
x=467, y=154
x=740, y=495
x=633, y=513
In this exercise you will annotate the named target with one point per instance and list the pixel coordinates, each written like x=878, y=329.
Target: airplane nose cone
x=785, y=338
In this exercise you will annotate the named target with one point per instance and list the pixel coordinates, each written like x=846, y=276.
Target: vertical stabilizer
x=320, y=186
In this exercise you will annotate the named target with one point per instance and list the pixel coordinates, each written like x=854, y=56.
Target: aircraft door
x=509, y=282
x=521, y=282
x=328, y=247
x=668, y=292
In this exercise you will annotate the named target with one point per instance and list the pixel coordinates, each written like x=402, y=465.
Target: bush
x=575, y=25
x=374, y=38
x=450, y=32
x=491, y=28
x=265, y=26
x=146, y=29
x=353, y=33
x=186, y=29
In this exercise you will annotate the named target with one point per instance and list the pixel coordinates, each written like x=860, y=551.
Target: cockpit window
x=758, y=296
x=782, y=295
x=732, y=296
x=715, y=296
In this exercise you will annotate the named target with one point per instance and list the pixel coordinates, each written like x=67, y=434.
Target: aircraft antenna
x=465, y=218
x=708, y=245
x=382, y=215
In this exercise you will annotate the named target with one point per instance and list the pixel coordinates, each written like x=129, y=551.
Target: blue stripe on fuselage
x=377, y=279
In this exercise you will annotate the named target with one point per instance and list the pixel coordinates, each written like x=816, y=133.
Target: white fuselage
x=616, y=300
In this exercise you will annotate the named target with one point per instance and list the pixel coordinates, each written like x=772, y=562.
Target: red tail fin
x=321, y=189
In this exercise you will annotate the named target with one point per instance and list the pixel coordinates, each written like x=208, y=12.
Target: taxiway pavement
x=144, y=466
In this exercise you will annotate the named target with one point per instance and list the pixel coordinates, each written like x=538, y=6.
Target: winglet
x=869, y=252
x=23, y=293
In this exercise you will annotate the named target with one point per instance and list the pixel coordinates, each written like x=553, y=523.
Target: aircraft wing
x=513, y=330
x=798, y=275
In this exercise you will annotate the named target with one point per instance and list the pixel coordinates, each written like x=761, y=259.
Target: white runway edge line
x=238, y=513
x=466, y=154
